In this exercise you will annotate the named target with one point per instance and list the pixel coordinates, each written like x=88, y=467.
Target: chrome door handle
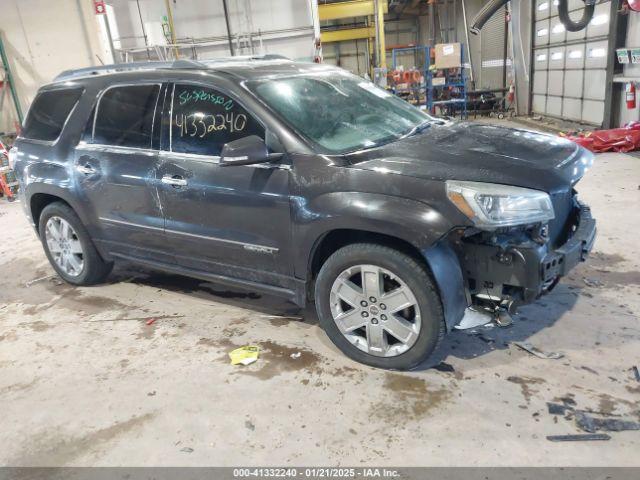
x=86, y=169
x=174, y=181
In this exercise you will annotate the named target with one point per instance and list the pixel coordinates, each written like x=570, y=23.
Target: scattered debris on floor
x=592, y=282
x=579, y=438
x=151, y=321
x=244, y=355
x=586, y=421
x=282, y=317
x=151, y=394
x=444, y=367
x=36, y=280
x=557, y=408
x=526, y=346
x=636, y=373
x=474, y=318
x=187, y=449
x=592, y=424
x=295, y=355
x=503, y=319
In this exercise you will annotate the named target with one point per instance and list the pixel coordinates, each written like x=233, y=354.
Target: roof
x=243, y=67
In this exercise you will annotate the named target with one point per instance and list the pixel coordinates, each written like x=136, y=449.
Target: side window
x=125, y=116
x=49, y=113
x=203, y=120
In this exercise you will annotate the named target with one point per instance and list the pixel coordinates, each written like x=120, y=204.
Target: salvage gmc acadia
x=303, y=181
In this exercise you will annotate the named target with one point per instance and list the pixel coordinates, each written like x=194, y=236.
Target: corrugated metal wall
x=492, y=52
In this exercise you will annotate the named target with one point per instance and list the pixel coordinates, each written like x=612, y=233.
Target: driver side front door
x=232, y=221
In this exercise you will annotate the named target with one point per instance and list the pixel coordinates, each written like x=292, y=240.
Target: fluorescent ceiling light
x=600, y=19
x=542, y=32
x=556, y=56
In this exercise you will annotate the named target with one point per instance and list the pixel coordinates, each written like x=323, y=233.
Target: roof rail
x=156, y=65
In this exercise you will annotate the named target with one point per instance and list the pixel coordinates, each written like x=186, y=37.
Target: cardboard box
x=448, y=55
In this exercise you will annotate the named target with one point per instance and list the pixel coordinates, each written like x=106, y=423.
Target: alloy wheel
x=375, y=310
x=64, y=245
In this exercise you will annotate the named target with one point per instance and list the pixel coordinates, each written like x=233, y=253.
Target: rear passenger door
x=116, y=166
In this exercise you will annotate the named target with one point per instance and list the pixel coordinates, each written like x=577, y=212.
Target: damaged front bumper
x=517, y=266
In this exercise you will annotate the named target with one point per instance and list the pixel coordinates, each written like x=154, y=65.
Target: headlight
x=490, y=206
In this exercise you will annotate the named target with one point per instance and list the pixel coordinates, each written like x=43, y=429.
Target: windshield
x=340, y=111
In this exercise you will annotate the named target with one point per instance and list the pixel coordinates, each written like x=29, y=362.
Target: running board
x=294, y=296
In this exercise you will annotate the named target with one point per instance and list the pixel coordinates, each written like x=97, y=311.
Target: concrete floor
x=85, y=381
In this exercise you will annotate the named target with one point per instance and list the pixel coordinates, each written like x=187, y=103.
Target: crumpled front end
x=512, y=266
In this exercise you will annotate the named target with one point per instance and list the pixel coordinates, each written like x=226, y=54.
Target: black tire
x=95, y=269
x=412, y=273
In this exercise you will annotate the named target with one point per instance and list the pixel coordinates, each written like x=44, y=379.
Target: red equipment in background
x=634, y=5
x=623, y=140
x=630, y=95
x=8, y=182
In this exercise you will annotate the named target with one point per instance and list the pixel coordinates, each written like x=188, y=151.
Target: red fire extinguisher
x=630, y=93
x=512, y=93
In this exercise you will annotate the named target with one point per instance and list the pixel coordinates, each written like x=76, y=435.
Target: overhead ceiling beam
x=348, y=9
x=346, y=34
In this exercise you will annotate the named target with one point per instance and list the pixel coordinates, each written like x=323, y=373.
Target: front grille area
x=561, y=225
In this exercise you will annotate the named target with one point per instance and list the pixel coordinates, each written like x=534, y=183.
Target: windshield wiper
x=421, y=127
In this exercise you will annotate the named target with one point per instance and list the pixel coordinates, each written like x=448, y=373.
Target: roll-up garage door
x=569, y=68
x=492, y=48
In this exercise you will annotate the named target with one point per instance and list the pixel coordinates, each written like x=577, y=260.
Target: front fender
x=412, y=221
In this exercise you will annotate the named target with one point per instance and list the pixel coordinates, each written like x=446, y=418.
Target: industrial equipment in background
x=410, y=83
x=563, y=10
x=8, y=181
x=7, y=86
x=446, y=82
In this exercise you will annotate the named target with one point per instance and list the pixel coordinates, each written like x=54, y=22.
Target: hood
x=481, y=153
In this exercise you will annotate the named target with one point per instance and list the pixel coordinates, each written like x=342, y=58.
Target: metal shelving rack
x=6, y=81
x=425, y=72
x=458, y=81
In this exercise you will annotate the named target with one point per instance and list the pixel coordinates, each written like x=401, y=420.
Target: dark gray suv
x=304, y=181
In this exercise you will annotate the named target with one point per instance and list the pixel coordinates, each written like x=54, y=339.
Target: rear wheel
x=69, y=248
x=379, y=306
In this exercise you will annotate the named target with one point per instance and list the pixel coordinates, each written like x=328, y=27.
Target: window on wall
x=204, y=119
x=125, y=116
x=49, y=113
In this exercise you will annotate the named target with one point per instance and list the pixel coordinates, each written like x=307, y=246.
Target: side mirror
x=246, y=151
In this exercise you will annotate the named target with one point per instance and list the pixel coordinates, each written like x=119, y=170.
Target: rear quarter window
x=49, y=112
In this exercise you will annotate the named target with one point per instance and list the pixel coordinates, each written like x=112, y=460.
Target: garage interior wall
x=631, y=71
x=570, y=68
x=43, y=38
x=276, y=26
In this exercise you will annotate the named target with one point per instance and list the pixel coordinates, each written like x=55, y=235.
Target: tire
x=360, y=257
x=93, y=268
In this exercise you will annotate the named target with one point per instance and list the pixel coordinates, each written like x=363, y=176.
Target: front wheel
x=379, y=306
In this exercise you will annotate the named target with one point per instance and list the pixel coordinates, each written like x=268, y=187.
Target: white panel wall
x=570, y=67
x=43, y=38
x=285, y=26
